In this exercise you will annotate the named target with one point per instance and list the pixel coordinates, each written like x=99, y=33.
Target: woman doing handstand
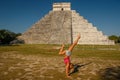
x=67, y=54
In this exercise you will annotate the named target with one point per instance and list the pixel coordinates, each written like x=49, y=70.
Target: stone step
x=57, y=26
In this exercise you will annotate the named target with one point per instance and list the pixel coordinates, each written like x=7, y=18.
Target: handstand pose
x=67, y=54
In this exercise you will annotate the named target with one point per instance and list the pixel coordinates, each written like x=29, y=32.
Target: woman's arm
x=62, y=50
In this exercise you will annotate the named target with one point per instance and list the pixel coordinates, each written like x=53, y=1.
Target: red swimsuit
x=67, y=60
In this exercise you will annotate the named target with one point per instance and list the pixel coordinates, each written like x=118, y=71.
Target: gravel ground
x=14, y=66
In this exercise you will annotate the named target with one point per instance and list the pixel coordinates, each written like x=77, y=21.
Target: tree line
x=115, y=38
x=8, y=37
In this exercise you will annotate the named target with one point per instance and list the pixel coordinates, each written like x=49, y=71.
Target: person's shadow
x=77, y=66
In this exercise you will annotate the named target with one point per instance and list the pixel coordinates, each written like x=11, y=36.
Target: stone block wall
x=89, y=33
x=54, y=28
x=62, y=26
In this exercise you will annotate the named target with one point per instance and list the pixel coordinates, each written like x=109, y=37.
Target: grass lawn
x=105, y=52
x=42, y=62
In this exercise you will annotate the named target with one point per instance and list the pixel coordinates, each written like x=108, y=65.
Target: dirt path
x=35, y=67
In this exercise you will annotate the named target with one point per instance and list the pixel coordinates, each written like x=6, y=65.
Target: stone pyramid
x=61, y=25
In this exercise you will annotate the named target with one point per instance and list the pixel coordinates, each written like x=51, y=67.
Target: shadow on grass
x=77, y=66
x=111, y=73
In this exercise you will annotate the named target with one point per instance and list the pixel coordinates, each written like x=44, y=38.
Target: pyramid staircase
x=53, y=28
x=89, y=33
x=61, y=26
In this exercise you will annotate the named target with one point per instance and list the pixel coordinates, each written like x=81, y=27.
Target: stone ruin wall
x=61, y=7
x=53, y=28
x=61, y=25
x=89, y=33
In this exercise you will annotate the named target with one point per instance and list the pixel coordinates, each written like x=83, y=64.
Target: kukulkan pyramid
x=62, y=25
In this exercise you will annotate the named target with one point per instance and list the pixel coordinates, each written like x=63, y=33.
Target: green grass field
x=105, y=52
x=42, y=62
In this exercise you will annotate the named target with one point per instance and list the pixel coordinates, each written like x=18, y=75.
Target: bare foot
x=69, y=77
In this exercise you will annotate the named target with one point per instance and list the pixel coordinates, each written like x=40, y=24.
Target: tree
x=7, y=36
x=119, y=39
x=115, y=38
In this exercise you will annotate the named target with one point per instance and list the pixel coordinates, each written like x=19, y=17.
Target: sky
x=19, y=15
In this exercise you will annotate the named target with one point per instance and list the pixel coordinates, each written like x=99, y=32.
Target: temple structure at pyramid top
x=62, y=25
x=61, y=6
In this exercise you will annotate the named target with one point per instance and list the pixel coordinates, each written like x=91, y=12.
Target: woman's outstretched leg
x=74, y=43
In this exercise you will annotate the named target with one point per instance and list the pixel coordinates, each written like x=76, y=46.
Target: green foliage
x=7, y=36
x=115, y=38
x=119, y=39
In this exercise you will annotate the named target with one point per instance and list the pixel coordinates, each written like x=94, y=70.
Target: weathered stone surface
x=54, y=28
x=89, y=33
x=61, y=26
